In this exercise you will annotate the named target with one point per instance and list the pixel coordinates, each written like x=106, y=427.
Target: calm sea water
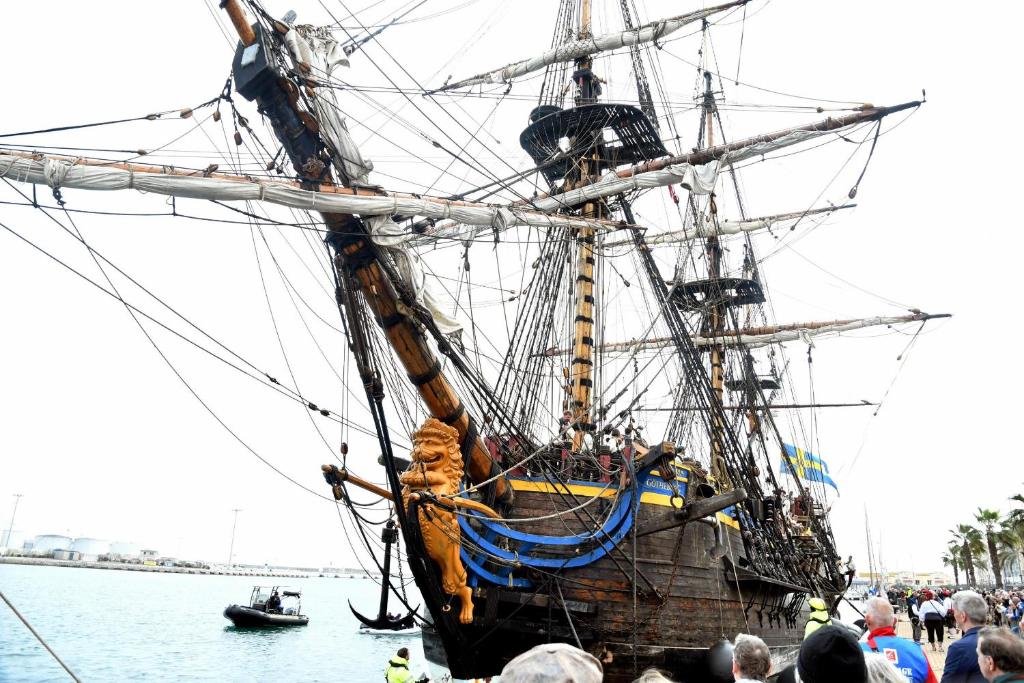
x=130, y=626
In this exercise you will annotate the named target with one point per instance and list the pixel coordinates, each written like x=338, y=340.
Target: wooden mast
x=356, y=254
x=716, y=315
x=582, y=370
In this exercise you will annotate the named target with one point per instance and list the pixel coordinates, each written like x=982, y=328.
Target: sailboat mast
x=582, y=372
x=716, y=314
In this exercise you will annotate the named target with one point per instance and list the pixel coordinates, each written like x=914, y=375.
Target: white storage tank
x=120, y=550
x=90, y=548
x=11, y=539
x=47, y=543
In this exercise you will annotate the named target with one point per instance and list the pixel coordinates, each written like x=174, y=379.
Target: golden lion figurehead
x=435, y=445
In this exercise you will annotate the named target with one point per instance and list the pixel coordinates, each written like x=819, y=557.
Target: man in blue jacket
x=969, y=611
x=906, y=655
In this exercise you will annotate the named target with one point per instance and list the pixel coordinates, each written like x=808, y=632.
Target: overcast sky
x=103, y=440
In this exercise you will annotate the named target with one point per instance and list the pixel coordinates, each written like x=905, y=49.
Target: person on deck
x=905, y=655
x=933, y=615
x=969, y=611
x=1000, y=655
x=818, y=617
x=398, y=667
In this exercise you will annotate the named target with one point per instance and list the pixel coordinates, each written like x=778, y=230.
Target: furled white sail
x=315, y=48
x=699, y=179
x=723, y=228
x=761, y=337
x=59, y=172
x=591, y=45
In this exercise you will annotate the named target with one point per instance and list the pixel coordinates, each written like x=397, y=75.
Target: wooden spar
x=323, y=188
x=240, y=21
x=703, y=156
x=774, y=406
x=341, y=475
x=409, y=343
x=357, y=255
x=582, y=366
x=582, y=372
x=716, y=314
x=712, y=153
x=730, y=338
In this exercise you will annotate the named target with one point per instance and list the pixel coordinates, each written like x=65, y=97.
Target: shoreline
x=124, y=566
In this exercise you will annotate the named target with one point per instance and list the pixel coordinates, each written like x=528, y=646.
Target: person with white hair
x=553, y=663
x=970, y=611
x=906, y=655
x=751, y=660
x=881, y=670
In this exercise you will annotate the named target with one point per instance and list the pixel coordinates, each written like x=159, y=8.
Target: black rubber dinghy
x=248, y=617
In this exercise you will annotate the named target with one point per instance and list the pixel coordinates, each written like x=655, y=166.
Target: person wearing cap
x=969, y=611
x=1000, y=655
x=933, y=614
x=906, y=655
x=553, y=663
x=818, y=617
x=398, y=667
x=829, y=655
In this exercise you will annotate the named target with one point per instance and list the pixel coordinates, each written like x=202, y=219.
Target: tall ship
x=574, y=399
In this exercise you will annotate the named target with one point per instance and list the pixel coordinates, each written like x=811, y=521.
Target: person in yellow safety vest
x=398, y=668
x=818, y=617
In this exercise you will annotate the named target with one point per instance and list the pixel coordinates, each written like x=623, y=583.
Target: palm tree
x=989, y=519
x=951, y=558
x=969, y=540
x=1011, y=535
x=1017, y=514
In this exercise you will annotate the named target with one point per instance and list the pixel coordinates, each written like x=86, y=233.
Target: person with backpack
x=933, y=614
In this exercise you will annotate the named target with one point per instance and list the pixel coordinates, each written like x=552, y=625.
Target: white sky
x=104, y=441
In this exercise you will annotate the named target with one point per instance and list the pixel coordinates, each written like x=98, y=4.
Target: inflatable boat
x=269, y=606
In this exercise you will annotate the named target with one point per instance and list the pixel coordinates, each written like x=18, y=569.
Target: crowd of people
x=933, y=611
x=988, y=647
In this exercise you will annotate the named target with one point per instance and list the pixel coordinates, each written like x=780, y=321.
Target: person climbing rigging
x=818, y=617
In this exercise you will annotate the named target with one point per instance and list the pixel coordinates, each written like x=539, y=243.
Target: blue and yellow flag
x=807, y=466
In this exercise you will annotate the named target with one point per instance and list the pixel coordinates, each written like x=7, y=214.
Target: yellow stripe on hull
x=591, y=490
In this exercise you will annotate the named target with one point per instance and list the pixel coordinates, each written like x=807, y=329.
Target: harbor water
x=117, y=625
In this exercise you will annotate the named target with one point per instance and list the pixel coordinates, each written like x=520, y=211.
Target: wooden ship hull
x=692, y=590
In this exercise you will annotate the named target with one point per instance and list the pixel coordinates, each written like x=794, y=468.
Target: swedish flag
x=807, y=466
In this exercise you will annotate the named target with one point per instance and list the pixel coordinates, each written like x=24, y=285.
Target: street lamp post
x=10, y=528
x=231, y=549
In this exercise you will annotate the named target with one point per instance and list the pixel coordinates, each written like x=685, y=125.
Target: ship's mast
x=582, y=373
x=715, y=326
